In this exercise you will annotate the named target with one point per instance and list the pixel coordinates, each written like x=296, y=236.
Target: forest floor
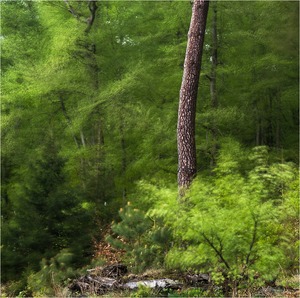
x=116, y=281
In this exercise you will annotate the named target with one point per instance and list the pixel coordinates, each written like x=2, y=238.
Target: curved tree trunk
x=188, y=96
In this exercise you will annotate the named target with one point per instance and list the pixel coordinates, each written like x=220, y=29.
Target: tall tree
x=213, y=82
x=188, y=96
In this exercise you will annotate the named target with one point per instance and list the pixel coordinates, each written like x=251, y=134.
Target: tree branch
x=90, y=20
x=93, y=8
x=218, y=252
x=253, y=240
x=73, y=11
x=208, y=77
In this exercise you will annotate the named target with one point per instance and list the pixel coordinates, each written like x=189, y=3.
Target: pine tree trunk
x=188, y=96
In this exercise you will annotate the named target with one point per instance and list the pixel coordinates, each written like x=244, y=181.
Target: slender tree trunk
x=257, y=138
x=188, y=96
x=277, y=134
x=214, y=57
x=124, y=161
x=213, y=83
x=69, y=122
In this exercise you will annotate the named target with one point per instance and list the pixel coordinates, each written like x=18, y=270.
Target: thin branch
x=253, y=240
x=208, y=77
x=82, y=138
x=93, y=8
x=218, y=252
x=73, y=11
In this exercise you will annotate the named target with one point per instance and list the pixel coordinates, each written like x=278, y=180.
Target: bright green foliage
x=256, y=76
x=192, y=293
x=236, y=224
x=144, y=291
x=88, y=122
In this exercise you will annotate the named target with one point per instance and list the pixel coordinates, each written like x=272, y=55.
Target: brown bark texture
x=188, y=96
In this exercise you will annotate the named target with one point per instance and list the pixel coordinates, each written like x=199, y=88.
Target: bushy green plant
x=53, y=276
x=192, y=293
x=14, y=288
x=233, y=225
x=144, y=291
x=196, y=292
x=144, y=240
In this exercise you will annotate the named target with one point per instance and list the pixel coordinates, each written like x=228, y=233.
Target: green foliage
x=144, y=291
x=191, y=293
x=43, y=216
x=233, y=225
x=51, y=279
x=143, y=240
x=53, y=275
x=88, y=122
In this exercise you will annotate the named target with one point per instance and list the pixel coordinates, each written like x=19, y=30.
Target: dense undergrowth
x=239, y=225
x=88, y=144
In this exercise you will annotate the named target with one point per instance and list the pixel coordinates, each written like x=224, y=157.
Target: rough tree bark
x=188, y=96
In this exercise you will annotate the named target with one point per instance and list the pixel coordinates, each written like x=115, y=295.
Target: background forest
x=89, y=112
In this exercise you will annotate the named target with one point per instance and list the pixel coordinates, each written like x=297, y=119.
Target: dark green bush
x=145, y=241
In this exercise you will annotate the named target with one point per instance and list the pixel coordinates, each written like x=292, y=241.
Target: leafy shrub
x=236, y=226
x=53, y=276
x=143, y=239
x=196, y=292
x=144, y=291
x=14, y=288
